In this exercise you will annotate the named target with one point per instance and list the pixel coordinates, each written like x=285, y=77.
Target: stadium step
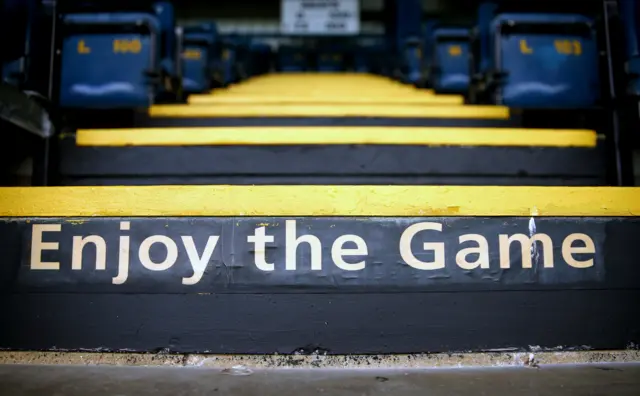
x=339, y=269
x=618, y=379
x=326, y=96
x=331, y=138
x=333, y=155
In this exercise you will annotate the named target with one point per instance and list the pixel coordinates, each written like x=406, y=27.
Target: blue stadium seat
x=109, y=60
x=450, y=70
x=200, y=57
x=545, y=60
x=227, y=63
x=197, y=57
x=370, y=54
x=292, y=59
x=412, y=67
x=630, y=14
x=13, y=71
x=331, y=59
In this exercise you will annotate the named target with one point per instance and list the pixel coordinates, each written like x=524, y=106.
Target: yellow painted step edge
x=323, y=100
x=414, y=201
x=391, y=111
x=429, y=136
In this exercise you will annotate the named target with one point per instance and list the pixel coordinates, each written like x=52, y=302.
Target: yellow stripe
x=320, y=99
x=203, y=136
x=280, y=90
x=325, y=89
x=318, y=201
x=392, y=111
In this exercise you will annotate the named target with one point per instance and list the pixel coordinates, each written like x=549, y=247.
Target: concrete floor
x=602, y=379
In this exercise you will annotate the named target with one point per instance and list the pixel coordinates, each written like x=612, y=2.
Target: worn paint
x=488, y=359
x=75, y=221
x=317, y=201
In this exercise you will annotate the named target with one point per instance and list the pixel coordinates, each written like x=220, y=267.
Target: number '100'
x=127, y=46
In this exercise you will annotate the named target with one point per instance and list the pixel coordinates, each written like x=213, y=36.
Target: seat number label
x=563, y=47
x=124, y=46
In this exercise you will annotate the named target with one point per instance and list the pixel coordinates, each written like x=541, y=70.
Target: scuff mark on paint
x=535, y=255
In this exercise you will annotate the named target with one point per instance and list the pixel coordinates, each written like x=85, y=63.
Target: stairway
x=328, y=213
x=331, y=129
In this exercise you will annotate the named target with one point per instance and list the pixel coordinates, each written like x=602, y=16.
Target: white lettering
x=407, y=254
x=78, y=247
x=199, y=264
x=338, y=251
x=482, y=251
x=259, y=239
x=37, y=246
x=568, y=250
x=292, y=247
x=170, y=259
x=123, y=256
x=527, y=249
x=472, y=252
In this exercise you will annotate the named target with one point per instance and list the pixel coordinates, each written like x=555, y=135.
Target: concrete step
x=597, y=379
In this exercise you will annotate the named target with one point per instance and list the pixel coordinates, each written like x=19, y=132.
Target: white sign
x=320, y=17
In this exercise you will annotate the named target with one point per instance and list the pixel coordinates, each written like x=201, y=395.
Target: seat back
x=369, y=54
x=331, y=60
x=451, y=60
x=13, y=71
x=107, y=60
x=197, y=51
x=200, y=57
x=412, y=66
x=292, y=59
x=227, y=62
x=550, y=60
